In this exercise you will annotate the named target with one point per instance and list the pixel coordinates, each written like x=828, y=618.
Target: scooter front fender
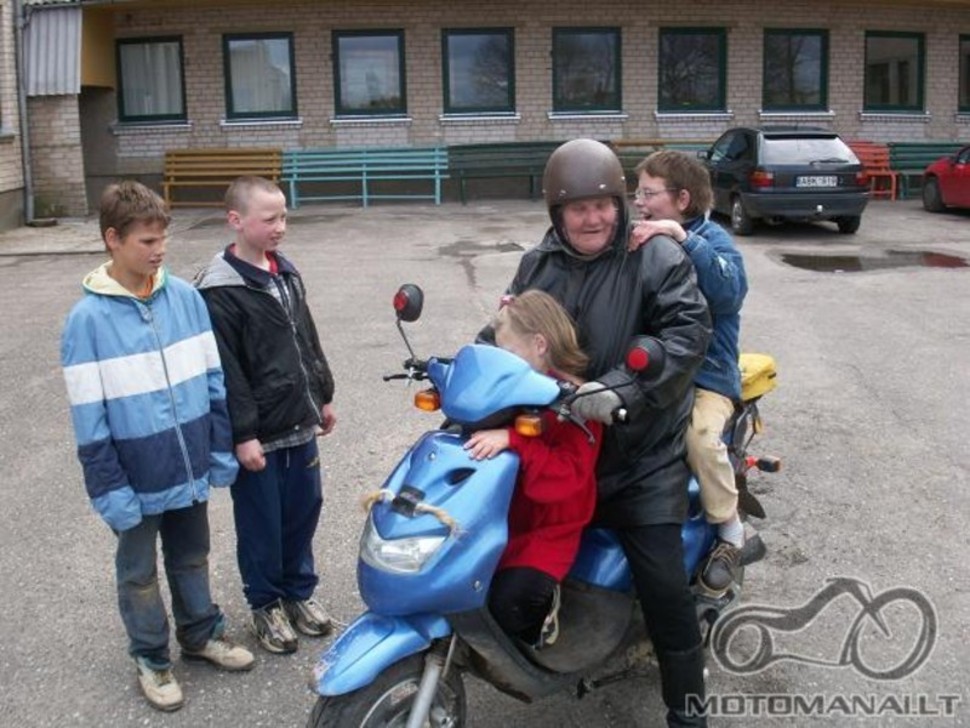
x=371, y=644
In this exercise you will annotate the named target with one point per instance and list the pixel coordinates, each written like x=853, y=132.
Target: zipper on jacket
x=291, y=319
x=171, y=395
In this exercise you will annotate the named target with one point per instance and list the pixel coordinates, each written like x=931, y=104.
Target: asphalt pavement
x=871, y=333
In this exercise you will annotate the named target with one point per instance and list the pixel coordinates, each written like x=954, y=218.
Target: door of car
x=730, y=161
x=956, y=184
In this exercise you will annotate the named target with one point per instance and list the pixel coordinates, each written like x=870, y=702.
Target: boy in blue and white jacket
x=148, y=405
x=674, y=196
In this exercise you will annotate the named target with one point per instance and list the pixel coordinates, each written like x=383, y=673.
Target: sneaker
x=160, y=687
x=309, y=617
x=550, y=627
x=223, y=653
x=273, y=629
x=721, y=569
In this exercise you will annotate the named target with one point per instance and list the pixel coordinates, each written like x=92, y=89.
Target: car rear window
x=805, y=150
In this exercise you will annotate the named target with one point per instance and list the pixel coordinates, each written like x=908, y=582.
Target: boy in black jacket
x=279, y=393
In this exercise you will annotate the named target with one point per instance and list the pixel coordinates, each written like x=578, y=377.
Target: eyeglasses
x=642, y=194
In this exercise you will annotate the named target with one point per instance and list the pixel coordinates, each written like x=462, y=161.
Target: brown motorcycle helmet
x=580, y=169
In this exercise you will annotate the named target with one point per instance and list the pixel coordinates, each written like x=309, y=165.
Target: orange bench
x=875, y=161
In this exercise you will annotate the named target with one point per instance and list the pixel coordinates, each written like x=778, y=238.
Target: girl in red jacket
x=555, y=495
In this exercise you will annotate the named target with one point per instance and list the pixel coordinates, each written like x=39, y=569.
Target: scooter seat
x=592, y=624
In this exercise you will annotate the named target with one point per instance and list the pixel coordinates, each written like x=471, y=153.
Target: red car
x=946, y=182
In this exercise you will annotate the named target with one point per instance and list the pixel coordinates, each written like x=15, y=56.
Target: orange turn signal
x=528, y=425
x=428, y=400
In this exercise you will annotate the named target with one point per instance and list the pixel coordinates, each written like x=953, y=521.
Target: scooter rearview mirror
x=408, y=302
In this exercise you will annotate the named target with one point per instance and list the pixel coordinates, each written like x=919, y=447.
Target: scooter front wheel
x=386, y=702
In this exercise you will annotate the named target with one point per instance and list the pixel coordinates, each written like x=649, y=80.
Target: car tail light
x=760, y=179
x=861, y=178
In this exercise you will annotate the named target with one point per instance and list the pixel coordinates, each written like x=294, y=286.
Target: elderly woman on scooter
x=614, y=296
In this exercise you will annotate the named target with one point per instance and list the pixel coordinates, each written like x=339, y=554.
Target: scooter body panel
x=602, y=563
x=370, y=645
x=476, y=495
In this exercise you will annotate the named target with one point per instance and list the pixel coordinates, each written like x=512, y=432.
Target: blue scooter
x=433, y=538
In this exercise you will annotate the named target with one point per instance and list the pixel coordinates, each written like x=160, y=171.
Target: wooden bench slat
x=364, y=166
x=874, y=158
x=910, y=159
x=498, y=160
x=216, y=167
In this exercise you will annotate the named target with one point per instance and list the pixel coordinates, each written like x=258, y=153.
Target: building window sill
x=905, y=117
x=370, y=121
x=676, y=117
x=226, y=124
x=496, y=118
x=129, y=128
x=7, y=136
x=772, y=116
x=587, y=116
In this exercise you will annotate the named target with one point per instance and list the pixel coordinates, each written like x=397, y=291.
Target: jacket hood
x=100, y=283
x=218, y=273
x=225, y=269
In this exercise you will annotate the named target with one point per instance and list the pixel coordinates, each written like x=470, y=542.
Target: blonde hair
x=536, y=312
x=242, y=188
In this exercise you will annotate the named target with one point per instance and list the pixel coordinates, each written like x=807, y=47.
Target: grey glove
x=595, y=402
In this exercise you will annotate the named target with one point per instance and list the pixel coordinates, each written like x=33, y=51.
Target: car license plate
x=827, y=180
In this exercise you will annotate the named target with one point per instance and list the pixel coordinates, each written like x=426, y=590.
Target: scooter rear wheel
x=386, y=702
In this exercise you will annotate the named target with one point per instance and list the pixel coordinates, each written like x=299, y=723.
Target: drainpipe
x=20, y=22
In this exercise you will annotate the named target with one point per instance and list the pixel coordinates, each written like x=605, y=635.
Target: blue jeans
x=276, y=511
x=185, y=552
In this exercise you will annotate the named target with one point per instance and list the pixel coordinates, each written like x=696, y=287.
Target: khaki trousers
x=707, y=455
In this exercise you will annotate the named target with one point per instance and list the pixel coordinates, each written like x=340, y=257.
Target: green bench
x=633, y=151
x=500, y=160
x=355, y=171
x=910, y=159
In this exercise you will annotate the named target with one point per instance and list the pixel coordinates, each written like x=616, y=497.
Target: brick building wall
x=56, y=156
x=139, y=149
x=11, y=165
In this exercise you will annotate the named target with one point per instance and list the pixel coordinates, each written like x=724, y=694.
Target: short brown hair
x=125, y=203
x=242, y=188
x=682, y=172
x=536, y=312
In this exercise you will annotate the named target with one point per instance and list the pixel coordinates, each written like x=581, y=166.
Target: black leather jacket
x=277, y=377
x=615, y=297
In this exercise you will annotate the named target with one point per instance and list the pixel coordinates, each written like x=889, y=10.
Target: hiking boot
x=309, y=617
x=273, y=629
x=159, y=686
x=550, y=626
x=224, y=654
x=721, y=569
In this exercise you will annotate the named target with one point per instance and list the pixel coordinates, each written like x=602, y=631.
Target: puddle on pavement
x=859, y=263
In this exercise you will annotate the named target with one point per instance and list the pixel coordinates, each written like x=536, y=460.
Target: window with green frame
x=151, y=84
x=796, y=69
x=260, y=75
x=965, y=73
x=368, y=70
x=478, y=70
x=586, y=70
x=894, y=71
x=692, y=69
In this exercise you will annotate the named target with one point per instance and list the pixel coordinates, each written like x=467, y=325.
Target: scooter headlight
x=403, y=555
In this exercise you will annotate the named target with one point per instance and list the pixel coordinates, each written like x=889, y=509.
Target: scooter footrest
x=585, y=610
